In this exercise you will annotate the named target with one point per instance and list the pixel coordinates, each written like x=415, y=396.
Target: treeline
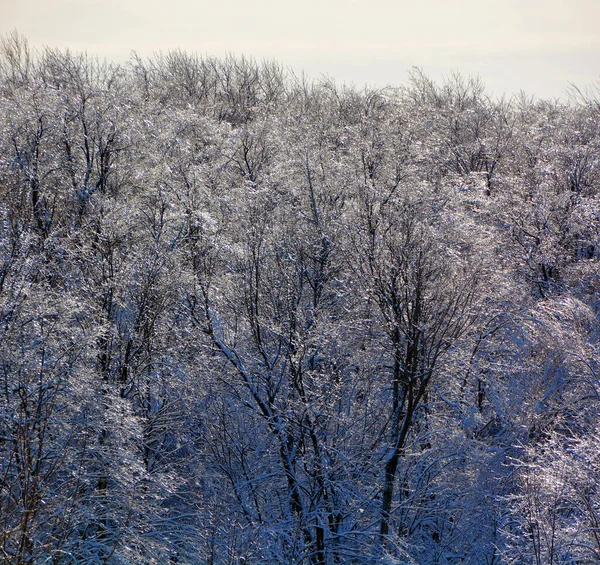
x=250, y=318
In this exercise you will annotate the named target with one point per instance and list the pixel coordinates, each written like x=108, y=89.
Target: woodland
x=248, y=318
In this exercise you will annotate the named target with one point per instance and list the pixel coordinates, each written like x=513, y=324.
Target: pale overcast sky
x=539, y=46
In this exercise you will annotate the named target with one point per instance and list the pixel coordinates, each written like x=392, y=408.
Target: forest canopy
x=250, y=318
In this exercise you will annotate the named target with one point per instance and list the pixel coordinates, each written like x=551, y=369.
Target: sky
x=538, y=46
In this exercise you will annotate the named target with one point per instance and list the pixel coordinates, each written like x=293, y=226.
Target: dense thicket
x=248, y=318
